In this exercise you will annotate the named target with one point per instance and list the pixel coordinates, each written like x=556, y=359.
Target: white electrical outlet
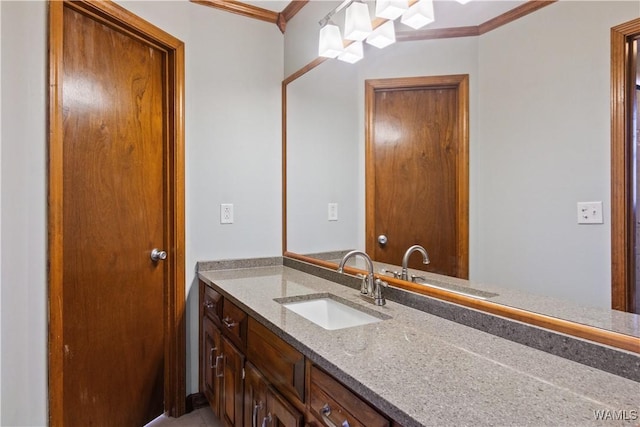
x=590, y=213
x=226, y=213
x=333, y=212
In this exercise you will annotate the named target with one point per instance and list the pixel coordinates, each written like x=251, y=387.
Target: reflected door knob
x=382, y=239
x=158, y=255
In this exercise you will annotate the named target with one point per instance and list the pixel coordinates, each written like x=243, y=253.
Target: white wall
x=323, y=135
x=23, y=194
x=544, y=145
x=234, y=67
x=0, y=217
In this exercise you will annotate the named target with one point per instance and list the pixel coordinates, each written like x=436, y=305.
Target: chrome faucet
x=371, y=288
x=405, y=259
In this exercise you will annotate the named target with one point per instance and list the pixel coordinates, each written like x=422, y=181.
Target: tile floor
x=202, y=417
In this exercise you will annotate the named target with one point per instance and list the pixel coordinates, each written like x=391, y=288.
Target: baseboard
x=196, y=401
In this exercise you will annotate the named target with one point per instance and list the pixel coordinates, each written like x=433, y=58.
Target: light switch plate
x=590, y=213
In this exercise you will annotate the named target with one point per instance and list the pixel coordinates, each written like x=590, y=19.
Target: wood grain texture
x=240, y=8
x=211, y=349
x=283, y=414
x=344, y=404
x=614, y=339
x=82, y=93
x=518, y=12
x=417, y=170
x=255, y=396
x=289, y=12
x=282, y=365
x=232, y=404
x=622, y=210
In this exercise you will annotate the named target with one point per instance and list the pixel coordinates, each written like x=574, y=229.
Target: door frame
x=118, y=17
x=622, y=155
x=460, y=83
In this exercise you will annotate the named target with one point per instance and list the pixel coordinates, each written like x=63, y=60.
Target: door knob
x=382, y=239
x=158, y=255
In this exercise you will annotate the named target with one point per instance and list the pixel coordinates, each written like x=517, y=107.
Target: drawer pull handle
x=211, y=365
x=256, y=407
x=325, y=412
x=266, y=420
x=208, y=305
x=228, y=322
x=221, y=358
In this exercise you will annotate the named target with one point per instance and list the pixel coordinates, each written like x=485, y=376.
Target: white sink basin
x=330, y=314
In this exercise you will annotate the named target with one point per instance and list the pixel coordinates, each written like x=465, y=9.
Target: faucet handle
x=364, y=286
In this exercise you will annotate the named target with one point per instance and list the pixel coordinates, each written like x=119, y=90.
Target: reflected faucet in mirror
x=405, y=259
x=371, y=289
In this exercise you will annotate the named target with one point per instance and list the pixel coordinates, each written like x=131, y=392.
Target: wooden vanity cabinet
x=274, y=385
x=333, y=403
x=232, y=388
x=264, y=406
x=210, y=349
x=221, y=363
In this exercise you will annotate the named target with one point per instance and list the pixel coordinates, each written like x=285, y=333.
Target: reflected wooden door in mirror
x=417, y=171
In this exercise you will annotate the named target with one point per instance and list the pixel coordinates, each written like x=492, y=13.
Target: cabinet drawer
x=330, y=399
x=234, y=324
x=281, y=364
x=212, y=304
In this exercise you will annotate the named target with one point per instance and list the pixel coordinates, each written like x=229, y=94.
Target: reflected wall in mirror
x=539, y=144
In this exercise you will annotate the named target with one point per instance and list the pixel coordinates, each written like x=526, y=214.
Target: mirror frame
x=621, y=258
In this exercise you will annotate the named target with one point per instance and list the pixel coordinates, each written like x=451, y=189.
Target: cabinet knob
x=382, y=239
x=228, y=322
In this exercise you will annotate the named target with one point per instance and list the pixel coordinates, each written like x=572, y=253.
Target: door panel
x=232, y=400
x=113, y=98
x=417, y=191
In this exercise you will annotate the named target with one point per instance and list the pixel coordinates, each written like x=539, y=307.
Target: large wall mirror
x=539, y=143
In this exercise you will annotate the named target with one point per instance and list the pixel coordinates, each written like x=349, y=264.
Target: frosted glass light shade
x=330, y=44
x=463, y=1
x=352, y=53
x=383, y=36
x=419, y=14
x=391, y=9
x=357, y=24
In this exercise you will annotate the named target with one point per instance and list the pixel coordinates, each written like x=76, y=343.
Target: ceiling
x=448, y=13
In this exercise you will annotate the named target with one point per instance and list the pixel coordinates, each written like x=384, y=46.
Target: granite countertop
x=610, y=320
x=424, y=370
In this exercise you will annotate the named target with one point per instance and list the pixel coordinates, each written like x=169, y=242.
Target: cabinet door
x=255, y=396
x=211, y=347
x=232, y=390
x=280, y=413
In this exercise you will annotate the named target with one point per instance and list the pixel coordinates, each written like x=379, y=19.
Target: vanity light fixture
x=383, y=36
x=330, y=41
x=391, y=9
x=358, y=26
x=419, y=14
x=357, y=23
x=352, y=53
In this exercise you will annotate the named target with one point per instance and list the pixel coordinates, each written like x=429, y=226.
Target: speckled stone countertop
x=421, y=369
x=611, y=320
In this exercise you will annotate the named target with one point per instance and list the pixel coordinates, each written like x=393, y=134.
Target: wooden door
x=232, y=391
x=417, y=171
x=115, y=195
